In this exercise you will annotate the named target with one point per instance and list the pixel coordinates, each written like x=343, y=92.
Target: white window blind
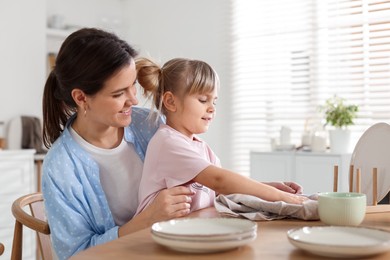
x=290, y=56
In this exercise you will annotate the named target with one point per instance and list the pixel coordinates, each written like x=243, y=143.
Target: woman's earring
x=85, y=112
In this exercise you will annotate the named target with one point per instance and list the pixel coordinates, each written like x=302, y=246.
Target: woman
x=97, y=141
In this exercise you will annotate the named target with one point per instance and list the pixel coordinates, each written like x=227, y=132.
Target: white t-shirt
x=173, y=159
x=120, y=175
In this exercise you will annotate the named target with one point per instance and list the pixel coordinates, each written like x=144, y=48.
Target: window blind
x=290, y=56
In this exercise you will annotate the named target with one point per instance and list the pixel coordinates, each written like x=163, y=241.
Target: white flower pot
x=339, y=140
x=318, y=141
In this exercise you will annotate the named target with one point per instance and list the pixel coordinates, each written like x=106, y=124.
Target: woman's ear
x=79, y=97
x=169, y=101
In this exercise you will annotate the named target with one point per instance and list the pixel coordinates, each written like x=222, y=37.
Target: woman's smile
x=126, y=112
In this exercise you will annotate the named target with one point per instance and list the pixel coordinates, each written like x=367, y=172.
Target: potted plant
x=339, y=115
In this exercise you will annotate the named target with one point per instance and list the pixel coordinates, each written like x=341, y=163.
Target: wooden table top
x=271, y=243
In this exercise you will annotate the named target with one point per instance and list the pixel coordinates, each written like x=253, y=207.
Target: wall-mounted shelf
x=54, y=40
x=59, y=33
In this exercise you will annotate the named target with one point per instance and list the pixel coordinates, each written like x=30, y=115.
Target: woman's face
x=111, y=107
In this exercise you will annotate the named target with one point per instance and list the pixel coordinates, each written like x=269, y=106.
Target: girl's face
x=195, y=113
x=111, y=107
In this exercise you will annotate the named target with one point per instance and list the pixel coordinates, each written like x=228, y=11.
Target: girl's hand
x=290, y=187
x=294, y=199
x=170, y=203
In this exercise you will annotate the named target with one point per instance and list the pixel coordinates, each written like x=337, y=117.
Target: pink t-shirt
x=173, y=159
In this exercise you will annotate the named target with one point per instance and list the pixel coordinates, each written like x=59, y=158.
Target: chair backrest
x=36, y=220
x=1, y=248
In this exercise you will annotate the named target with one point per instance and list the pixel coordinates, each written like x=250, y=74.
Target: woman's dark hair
x=86, y=60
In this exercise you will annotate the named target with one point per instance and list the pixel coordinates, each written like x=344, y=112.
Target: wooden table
x=271, y=243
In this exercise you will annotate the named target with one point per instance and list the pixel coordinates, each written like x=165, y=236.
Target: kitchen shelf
x=59, y=33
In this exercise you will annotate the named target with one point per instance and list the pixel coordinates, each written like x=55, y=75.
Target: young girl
x=185, y=91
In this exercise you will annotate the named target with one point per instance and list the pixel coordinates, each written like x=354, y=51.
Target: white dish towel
x=253, y=208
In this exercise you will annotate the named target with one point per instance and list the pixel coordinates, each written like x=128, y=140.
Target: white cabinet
x=16, y=179
x=272, y=166
x=314, y=171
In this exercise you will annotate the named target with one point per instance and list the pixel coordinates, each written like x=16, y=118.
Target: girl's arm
x=227, y=182
x=290, y=187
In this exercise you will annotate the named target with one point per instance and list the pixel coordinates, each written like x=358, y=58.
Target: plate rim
x=342, y=250
x=252, y=226
x=199, y=240
x=202, y=246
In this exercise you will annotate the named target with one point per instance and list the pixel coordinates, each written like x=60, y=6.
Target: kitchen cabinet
x=17, y=178
x=313, y=170
x=272, y=166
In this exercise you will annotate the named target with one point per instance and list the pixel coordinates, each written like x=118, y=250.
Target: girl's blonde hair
x=180, y=76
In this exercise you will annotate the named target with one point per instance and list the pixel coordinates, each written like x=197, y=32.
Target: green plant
x=337, y=113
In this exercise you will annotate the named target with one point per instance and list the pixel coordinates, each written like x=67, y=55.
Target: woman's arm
x=227, y=182
x=169, y=203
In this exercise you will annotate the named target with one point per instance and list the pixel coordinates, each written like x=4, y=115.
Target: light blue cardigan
x=75, y=203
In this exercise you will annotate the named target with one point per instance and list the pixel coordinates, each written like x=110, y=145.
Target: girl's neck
x=179, y=129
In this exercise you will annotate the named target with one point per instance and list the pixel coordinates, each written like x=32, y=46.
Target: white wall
x=161, y=29
x=22, y=57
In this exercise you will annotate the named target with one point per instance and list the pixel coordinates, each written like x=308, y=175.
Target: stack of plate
x=204, y=235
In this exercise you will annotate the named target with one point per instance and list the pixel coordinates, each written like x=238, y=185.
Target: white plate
x=203, y=246
x=204, y=228
x=204, y=235
x=373, y=150
x=332, y=241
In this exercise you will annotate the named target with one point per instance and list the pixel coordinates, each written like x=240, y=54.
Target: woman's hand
x=290, y=187
x=170, y=203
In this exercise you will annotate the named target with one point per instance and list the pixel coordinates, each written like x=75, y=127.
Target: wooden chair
x=36, y=221
x=1, y=248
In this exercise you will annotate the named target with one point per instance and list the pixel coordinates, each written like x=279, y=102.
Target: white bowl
x=342, y=208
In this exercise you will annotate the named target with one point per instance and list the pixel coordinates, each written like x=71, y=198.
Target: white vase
x=339, y=140
x=318, y=141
